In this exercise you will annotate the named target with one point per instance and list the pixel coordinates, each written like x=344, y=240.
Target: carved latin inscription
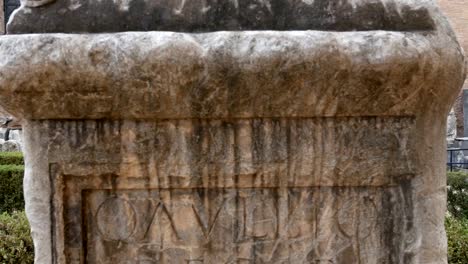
x=270, y=225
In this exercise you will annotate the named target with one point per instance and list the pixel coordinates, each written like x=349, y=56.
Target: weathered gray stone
x=208, y=15
x=10, y=145
x=236, y=147
x=451, y=127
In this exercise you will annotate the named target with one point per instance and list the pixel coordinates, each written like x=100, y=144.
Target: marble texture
x=236, y=146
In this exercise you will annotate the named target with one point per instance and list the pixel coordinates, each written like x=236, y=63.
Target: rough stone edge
x=430, y=188
x=37, y=192
x=35, y=3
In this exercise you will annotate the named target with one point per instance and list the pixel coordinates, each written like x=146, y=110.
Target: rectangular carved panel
x=311, y=190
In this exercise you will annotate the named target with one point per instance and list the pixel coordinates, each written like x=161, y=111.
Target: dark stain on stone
x=195, y=16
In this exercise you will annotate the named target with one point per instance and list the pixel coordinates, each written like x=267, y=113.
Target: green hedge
x=11, y=188
x=457, y=194
x=11, y=158
x=16, y=246
x=457, y=234
x=456, y=224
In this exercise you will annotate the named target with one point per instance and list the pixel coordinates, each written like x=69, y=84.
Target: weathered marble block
x=315, y=146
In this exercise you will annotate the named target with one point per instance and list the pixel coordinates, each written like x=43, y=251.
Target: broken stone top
x=78, y=16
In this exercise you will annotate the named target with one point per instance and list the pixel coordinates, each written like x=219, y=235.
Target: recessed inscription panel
x=271, y=225
x=320, y=190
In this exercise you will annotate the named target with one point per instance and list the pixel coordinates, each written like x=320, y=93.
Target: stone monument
x=233, y=131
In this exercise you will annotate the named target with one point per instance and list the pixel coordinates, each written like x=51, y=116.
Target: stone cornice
x=156, y=75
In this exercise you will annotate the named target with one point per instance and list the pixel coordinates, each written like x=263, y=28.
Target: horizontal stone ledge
x=163, y=75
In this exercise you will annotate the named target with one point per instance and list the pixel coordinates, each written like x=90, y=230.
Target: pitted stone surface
x=234, y=147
